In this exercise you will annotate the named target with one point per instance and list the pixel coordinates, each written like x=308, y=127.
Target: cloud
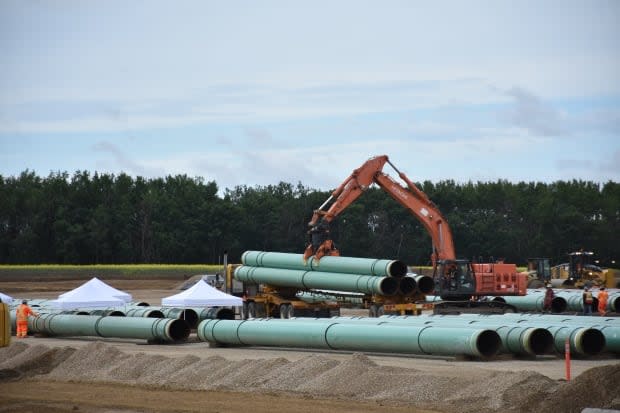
x=604, y=168
x=123, y=162
x=532, y=114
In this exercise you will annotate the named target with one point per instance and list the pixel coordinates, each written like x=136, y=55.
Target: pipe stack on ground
x=565, y=300
x=350, y=274
x=586, y=338
x=338, y=335
x=152, y=330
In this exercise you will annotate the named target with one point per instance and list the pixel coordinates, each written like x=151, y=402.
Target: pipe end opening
x=407, y=285
x=397, y=269
x=488, y=343
x=541, y=341
x=592, y=342
x=178, y=330
x=389, y=285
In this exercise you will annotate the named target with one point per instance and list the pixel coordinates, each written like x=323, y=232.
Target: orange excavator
x=455, y=279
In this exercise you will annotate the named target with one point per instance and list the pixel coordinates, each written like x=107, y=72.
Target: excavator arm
x=410, y=196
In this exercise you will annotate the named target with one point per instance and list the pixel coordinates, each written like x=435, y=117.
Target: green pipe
x=210, y=313
x=348, y=336
x=574, y=300
x=187, y=314
x=608, y=326
x=407, y=286
x=145, y=312
x=561, y=318
x=425, y=284
x=583, y=339
x=516, y=339
x=317, y=280
x=110, y=312
x=153, y=330
x=345, y=265
x=533, y=301
x=613, y=302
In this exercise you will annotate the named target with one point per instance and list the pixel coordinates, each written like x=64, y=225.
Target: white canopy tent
x=7, y=299
x=95, y=284
x=201, y=294
x=87, y=295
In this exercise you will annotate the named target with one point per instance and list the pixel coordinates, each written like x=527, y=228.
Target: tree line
x=98, y=218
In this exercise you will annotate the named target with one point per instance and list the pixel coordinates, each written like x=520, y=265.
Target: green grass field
x=137, y=271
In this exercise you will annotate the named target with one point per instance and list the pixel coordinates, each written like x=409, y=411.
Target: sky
x=260, y=92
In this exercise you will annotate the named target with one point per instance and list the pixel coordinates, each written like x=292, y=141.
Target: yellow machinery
x=579, y=271
x=5, y=325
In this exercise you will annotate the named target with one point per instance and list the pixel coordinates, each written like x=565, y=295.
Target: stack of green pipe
x=318, y=280
x=290, y=270
x=153, y=330
x=330, y=334
x=608, y=326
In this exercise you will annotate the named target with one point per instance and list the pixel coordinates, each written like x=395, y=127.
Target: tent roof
x=90, y=294
x=201, y=294
x=7, y=299
x=103, y=288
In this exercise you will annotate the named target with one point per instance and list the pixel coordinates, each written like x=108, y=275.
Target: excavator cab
x=454, y=279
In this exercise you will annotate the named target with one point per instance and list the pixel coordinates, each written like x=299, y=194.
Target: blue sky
x=254, y=93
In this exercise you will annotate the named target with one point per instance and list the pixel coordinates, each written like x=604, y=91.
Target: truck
x=459, y=285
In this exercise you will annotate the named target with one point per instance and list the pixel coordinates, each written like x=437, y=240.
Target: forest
x=97, y=218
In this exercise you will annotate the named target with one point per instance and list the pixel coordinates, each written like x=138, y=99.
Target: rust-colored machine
x=457, y=281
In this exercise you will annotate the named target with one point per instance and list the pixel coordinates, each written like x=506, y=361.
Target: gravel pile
x=355, y=378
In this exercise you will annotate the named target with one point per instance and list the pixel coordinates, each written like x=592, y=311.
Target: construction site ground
x=87, y=374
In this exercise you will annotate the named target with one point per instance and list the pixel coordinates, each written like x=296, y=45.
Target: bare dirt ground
x=126, y=376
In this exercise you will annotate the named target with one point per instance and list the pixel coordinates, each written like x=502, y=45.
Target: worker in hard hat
x=587, y=301
x=548, y=300
x=603, y=296
x=22, y=313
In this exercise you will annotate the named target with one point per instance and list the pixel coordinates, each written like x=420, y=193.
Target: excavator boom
x=410, y=196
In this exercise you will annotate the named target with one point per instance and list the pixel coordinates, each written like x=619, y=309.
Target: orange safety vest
x=22, y=312
x=602, y=299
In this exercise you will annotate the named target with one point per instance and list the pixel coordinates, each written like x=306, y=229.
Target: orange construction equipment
x=455, y=279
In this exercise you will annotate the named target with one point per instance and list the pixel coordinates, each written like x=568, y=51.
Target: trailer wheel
x=251, y=309
x=372, y=311
x=380, y=311
x=285, y=311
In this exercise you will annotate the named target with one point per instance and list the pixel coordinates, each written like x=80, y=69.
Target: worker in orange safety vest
x=603, y=296
x=22, y=313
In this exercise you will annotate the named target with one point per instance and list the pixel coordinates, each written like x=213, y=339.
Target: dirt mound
x=356, y=378
x=21, y=360
x=597, y=387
